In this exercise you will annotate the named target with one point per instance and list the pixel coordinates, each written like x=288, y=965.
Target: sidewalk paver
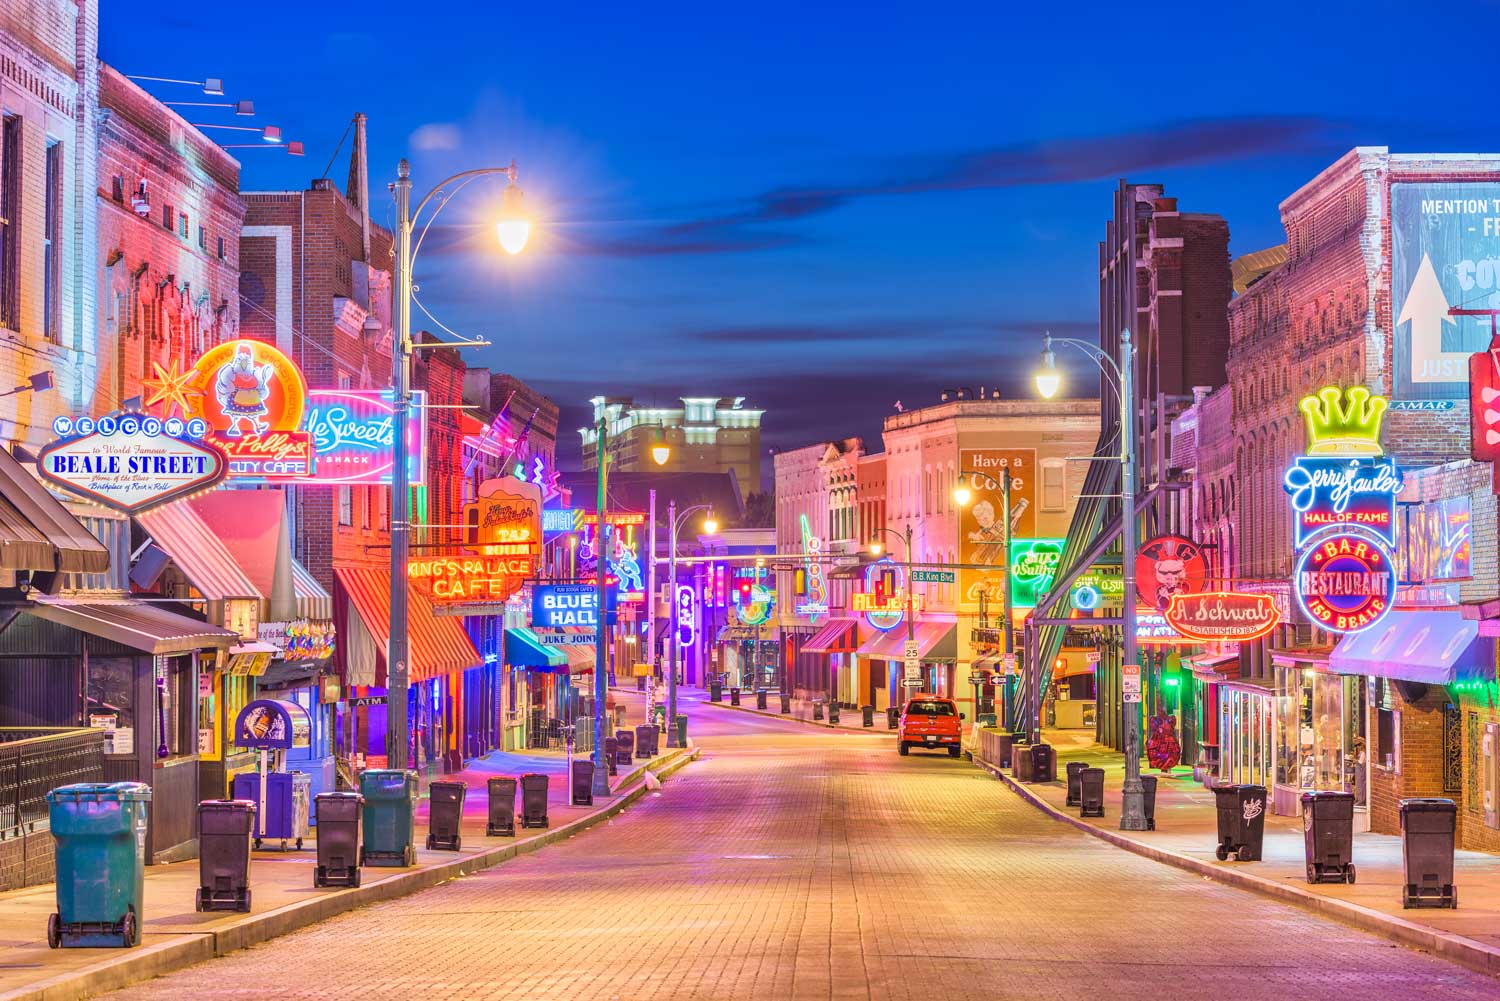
x=281, y=883
x=1186, y=833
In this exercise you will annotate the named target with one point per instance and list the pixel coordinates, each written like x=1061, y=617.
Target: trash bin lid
x=1316, y=794
x=226, y=806
x=341, y=794
x=122, y=792
x=1428, y=805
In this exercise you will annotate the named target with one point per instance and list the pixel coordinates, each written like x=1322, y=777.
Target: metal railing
x=36, y=759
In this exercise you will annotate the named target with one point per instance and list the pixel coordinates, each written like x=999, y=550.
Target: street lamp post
x=911, y=628
x=601, y=563
x=676, y=521
x=1048, y=379
x=513, y=232
x=963, y=495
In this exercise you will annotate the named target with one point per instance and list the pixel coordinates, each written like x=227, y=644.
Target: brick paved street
x=793, y=863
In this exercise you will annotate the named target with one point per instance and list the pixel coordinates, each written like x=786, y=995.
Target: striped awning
x=200, y=554
x=135, y=624
x=313, y=602
x=436, y=645
x=836, y=636
x=936, y=641
x=580, y=658
x=37, y=532
x=524, y=648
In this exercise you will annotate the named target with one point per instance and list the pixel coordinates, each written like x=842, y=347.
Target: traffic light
x=745, y=586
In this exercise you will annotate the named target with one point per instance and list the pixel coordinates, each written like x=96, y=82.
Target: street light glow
x=1048, y=378
x=875, y=548
x=962, y=495
x=513, y=228
x=710, y=525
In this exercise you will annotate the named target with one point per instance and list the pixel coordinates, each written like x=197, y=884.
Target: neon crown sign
x=1343, y=422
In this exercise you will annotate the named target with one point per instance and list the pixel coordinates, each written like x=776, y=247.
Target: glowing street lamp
x=962, y=495
x=1048, y=378
x=875, y=548
x=514, y=227
x=660, y=450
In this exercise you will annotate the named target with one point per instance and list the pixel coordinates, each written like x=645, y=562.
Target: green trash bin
x=100, y=830
x=389, y=816
x=682, y=731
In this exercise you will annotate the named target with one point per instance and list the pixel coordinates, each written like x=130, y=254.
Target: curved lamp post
x=911, y=629
x=513, y=231
x=1121, y=374
x=963, y=494
x=676, y=520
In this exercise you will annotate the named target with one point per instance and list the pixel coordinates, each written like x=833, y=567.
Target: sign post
x=1130, y=682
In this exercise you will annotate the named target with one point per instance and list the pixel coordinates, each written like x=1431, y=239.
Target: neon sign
x=353, y=435
x=687, y=616
x=817, y=591
x=252, y=397
x=561, y=519
x=1166, y=566
x=1340, y=491
x=885, y=606
x=1345, y=582
x=1350, y=427
x=1223, y=616
x=504, y=523
x=132, y=462
x=470, y=578
x=1033, y=566
x=753, y=603
x=557, y=605
x=1153, y=629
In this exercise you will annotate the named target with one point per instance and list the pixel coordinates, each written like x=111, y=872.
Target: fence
x=36, y=759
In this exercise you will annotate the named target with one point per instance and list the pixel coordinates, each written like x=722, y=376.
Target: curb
x=1466, y=952
x=187, y=949
x=767, y=714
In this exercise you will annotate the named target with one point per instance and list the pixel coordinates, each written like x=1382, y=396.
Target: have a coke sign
x=1223, y=616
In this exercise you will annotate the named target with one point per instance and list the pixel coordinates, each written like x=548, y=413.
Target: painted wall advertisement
x=1445, y=251
x=982, y=524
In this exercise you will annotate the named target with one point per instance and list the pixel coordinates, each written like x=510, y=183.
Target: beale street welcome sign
x=132, y=462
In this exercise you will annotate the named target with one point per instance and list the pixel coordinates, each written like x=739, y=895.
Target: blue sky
x=823, y=208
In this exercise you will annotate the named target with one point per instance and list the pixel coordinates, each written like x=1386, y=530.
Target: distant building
x=707, y=434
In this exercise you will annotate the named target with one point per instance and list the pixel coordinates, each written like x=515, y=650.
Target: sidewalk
x=283, y=897
x=1185, y=837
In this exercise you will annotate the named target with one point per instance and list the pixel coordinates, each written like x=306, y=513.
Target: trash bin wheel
x=1453, y=897
x=409, y=856
x=361, y=854
x=54, y=931
x=902, y=749
x=320, y=877
x=1349, y=873
x=1312, y=873
x=256, y=844
x=299, y=844
x=953, y=752
x=1243, y=854
x=1221, y=853
x=458, y=841
x=244, y=903
x=354, y=879
x=130, y=931
x=429, y=842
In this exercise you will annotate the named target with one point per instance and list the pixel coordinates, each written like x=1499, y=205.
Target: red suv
x=930, y=721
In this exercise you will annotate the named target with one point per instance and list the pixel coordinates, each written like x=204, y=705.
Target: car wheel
x=902, y=748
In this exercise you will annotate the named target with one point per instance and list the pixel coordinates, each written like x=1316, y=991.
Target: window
x=202, y=238
x=182, y=225
x=10, y=221
x=365, y=503
x=117, y=188
x=167, y=215
x=1054, y=485
x=346, y=505
x=52, y=244
x=221, y=248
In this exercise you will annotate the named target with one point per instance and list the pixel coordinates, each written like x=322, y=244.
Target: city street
x=794, y=863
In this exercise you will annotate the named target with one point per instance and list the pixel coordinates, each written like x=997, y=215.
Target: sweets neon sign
x=354, y=436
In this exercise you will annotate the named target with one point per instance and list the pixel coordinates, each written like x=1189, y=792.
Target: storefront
x=1245, y=744
x=1319, y=729
x=937, y=652
x=834, y=645
x=438, y=648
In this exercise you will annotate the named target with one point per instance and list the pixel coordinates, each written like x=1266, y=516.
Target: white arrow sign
x=1426, y=309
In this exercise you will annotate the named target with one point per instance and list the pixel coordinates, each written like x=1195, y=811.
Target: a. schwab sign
x=354, y=436
x=557, y=605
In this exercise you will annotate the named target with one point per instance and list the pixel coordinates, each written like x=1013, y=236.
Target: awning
x=524, y=648
x=580, y=658
x=1215, y=667
x=1295, y=656
x=836, y=636
x=184, y=536
x=936, y=641
x=313, y=601
x=738, y=632
x=1431, y=646
x=135, y=624
x=37, y=532
x=436, y=645
x=252, y=527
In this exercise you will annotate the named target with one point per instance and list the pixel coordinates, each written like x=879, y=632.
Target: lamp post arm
x=441, y=191
x=1094, y=351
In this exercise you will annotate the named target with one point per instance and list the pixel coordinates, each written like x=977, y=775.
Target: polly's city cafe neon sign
x=252, y=397
x=1222, y=616
x=1345, y=581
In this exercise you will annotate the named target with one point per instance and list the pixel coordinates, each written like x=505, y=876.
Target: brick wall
x=28, y=860
x=1421, y=763
x=1477, y=708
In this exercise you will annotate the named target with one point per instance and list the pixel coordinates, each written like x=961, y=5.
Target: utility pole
x=601, y=562
x=1133, y=806
x=397, y=735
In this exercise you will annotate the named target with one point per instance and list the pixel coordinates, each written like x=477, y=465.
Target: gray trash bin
x=533, y=800
x=716, y=691
x=734, y=696
x=1427, y=830
x=786, y=704
x=867, y=716
x=1148, y=799
x=624, y=747
x=1043, y=763
x=502, y=814
x=1072, y=769
x=445, y=815
x=225, y=827
x=760, y=698
x=817, y=709
x=1241, y=811
x=1091, y=792
x=833, y=714
x=1328, y=836
x=339, y=815
x=893, y=717
x=583, y=782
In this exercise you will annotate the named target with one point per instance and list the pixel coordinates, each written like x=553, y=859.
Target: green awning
x=524, y=648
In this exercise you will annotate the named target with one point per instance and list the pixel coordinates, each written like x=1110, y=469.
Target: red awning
x=936, y=641
x=836, y=636
x=438, y=644
x=179, y=530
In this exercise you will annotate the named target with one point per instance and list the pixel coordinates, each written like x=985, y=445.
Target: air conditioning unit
x=140, y=202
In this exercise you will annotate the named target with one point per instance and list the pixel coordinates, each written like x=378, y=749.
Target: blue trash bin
x=100, y=830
